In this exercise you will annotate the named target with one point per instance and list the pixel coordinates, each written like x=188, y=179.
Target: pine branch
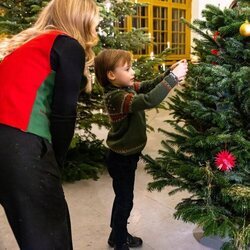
x=200, y=32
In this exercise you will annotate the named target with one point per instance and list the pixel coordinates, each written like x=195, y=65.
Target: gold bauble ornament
x=245, y=29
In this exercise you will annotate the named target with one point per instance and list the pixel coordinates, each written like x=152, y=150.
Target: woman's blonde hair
x=77, y=18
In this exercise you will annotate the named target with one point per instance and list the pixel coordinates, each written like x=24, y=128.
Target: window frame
x=170, y=6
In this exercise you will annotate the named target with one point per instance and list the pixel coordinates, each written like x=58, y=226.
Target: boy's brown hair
x=107, y=60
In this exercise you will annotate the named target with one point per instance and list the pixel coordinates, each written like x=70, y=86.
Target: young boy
x=126, y=101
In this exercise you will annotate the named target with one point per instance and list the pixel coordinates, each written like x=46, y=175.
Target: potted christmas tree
x=209, y=153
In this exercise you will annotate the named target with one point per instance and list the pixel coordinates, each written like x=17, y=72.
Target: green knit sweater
x=126, y=106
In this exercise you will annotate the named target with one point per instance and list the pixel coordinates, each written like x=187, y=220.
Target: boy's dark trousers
x=31, y=192
x=122, y=170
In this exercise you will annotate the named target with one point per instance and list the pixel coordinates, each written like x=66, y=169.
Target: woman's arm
x=68, y=60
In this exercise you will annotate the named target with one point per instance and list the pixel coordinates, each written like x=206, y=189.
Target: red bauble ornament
x=215, y=52
x=225, y=160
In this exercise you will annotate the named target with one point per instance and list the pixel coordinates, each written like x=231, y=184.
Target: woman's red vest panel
x=26, y=86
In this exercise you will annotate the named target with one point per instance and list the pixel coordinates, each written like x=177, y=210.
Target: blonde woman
x=41, y=73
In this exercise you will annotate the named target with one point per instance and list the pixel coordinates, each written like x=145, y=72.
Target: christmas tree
x=209, y=153
x=18, y=15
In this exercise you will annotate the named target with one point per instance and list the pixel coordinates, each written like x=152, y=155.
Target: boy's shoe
x=123, y=247
x=132, y=241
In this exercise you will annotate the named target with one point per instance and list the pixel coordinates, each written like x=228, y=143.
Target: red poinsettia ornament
x=225, y=160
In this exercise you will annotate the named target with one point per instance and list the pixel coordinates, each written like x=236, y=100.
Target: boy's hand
x=180, y=69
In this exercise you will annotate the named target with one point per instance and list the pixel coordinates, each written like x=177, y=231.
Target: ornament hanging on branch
x=245, y=29
x=216, y=34
x=215, y=52
x=225, y=160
